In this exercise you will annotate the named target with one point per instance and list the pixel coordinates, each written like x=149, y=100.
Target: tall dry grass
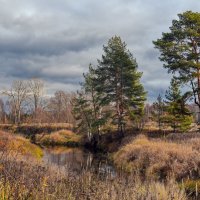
x=24, y=177
x=16, y=144
x=27, y=179
x=159, y=159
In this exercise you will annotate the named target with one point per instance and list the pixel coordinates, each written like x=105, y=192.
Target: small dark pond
x=78, y=160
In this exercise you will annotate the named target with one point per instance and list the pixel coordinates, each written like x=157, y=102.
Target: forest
x=106, y=141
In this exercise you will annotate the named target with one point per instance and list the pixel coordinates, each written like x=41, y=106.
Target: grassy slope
x=46, y=134
x=16, y=144
x=62, y=137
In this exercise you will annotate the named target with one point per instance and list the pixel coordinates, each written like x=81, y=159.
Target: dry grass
x=192, y=139
x=27, y=179
x=32, y=129
x=24, y=177
x=192, y=187
x=158, y=158
x=62, y=137
x=16, y=144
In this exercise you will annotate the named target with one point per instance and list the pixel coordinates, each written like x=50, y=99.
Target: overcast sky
x=56, y=39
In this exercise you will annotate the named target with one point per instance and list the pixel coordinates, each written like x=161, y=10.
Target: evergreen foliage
x=158, y=111
x=82, y=113
x=180, y=51
x=119, y=83
x=112, y=90
x=178, y=116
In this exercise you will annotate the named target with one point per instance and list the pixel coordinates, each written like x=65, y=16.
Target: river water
x=78, y=160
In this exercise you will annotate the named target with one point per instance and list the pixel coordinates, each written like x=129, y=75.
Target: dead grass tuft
x=158, y=158
x=62, y=137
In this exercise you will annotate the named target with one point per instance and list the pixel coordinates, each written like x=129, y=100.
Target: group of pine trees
x=180, y=52
x=112, y=94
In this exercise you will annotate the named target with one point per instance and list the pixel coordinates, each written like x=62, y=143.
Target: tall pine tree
x=180, y=51
x=87, y=107
x=118, y=82
x=99, y=116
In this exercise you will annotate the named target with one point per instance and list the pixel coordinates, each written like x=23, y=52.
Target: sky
x=55, y=40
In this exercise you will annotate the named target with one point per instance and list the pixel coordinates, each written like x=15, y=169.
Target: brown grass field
x=29, y=179
x=151, y=168
x=160, y=159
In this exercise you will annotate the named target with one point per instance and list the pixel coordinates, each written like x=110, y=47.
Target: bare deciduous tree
x=60, y=107
x=18, y=94
x=2, y=112
x=37, y=90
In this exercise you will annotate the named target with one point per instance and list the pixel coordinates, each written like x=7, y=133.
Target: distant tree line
x=25, y=102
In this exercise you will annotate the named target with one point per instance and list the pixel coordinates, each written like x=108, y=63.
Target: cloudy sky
x=56, y=39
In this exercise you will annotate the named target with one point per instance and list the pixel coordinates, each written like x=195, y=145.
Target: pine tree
x=99, y=117
x=82, y=112
x=158, y=111
x=179, y=116
x=119, y=84
x=87, y=108
x=180, y=51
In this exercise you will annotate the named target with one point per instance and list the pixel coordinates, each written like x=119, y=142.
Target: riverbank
x=36, y=180
x=29, y=130
x=173, y=160
x=59, y=138
x=159, y=159
x=18, y=145
x=59, y=134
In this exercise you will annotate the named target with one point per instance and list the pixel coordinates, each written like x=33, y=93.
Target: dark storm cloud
x=47, y=46
x=56, y=40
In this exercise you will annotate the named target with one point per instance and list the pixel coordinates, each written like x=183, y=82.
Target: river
x=78, y=160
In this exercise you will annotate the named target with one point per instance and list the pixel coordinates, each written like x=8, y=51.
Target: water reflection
x=77, y=160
